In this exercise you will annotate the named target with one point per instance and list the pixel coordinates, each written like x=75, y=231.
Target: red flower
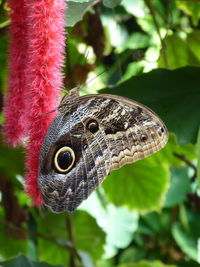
x=14, y=127
x=41, y=78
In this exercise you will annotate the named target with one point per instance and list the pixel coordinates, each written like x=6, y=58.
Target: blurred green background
x=146, y=214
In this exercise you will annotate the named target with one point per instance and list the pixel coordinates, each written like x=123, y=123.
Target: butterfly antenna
x=48, y=112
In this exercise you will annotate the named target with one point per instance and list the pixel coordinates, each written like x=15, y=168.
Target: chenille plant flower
x=36, y=60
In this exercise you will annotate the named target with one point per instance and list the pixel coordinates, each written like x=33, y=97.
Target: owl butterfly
x=91, y=136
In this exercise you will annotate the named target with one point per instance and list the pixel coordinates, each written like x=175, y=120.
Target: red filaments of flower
x=36, y=60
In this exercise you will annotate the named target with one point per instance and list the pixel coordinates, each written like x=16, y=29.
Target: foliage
x=147, y=213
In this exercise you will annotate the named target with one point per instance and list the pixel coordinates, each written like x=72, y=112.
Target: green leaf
x=146, y=264
x=23, y=261
x=52, y=228
x=76, y=10
x=193, y=40
x=140, y=186
x=118, y=223
x=179, y=186
x=86, y=228
x=171, y=94
x=9, y=246
x=155, y=223
x=120, y=226
x=178, y=54
x=132, y=255
x=106, y=262
x=185, y=240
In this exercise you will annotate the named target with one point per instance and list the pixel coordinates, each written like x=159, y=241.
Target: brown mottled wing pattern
x=104, y=132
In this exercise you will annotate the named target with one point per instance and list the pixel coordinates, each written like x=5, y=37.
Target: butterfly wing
x=133, y=131
x=89, y=138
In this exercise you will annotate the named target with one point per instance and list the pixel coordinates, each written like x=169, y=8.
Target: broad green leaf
x=76, y=10
x=10, y=247
x=23, y=261
x=53, y=233
x=155, y=224
x=146, y=264
x=132, y=254
x=185, y=240
x=106, y=263
x=179, y=186
x=55, y=252
x=119, y=226
x=84, y=228
x=193, y=40
x=140, y=186
x=186, y=233
x=118, y=223
x=178, y=54
x=174, y=95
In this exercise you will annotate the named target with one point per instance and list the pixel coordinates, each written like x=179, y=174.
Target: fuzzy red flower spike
x=42, y=77
x=14, y=110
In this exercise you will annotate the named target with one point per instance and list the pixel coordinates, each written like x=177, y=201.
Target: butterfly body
x=91, y=136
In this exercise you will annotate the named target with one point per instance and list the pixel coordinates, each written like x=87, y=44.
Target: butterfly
x=90, y=136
